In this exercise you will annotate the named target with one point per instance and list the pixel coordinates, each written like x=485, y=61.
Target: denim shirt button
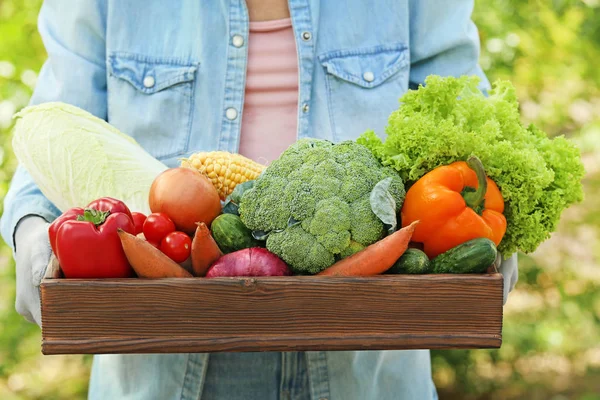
x=149, y=81
x=237, y=41
x=306, y=36
x=368, y=76
x=231, y=113
x=305, y=107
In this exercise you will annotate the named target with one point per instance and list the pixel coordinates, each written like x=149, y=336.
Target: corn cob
x=225, y=170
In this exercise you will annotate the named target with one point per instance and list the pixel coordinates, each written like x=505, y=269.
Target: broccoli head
x=314, y=201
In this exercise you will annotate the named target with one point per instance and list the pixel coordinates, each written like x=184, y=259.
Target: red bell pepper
x=86, y=243
x=111, y=205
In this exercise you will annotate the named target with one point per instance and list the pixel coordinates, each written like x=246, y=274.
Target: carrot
x=205, y=250
x=148, y=261
x=376, y=258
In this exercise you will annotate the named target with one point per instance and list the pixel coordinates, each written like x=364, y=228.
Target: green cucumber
x=231, y=234
x=473, y=256
x=413, y=261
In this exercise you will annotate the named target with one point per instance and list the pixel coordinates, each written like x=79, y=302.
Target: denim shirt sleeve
x=73, y=33
x=443, y=41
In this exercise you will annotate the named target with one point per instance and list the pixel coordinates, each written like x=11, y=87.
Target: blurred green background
x=550, y=50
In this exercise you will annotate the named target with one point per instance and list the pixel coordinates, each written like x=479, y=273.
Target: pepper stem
x=474, y=199
x=96, y=217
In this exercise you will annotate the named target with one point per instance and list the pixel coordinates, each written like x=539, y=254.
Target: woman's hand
x=32, y=256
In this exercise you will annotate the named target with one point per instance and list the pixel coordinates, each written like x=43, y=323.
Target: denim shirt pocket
x=364, y=86
x=151, y=99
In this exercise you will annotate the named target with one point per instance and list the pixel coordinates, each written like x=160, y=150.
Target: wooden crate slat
x=266, y=343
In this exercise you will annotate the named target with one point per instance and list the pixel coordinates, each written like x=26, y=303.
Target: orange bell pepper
x=455, y=203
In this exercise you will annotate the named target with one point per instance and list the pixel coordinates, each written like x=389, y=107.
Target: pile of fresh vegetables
x=104, y=240
x=449, y=120
x=457, y=181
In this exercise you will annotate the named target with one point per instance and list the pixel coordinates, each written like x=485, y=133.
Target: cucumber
x=413, y=261
x=231, y=234
x=473, y=256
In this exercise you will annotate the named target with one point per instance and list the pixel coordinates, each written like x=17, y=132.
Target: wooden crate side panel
x=272, y=313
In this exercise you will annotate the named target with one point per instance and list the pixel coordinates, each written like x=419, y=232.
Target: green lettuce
x=75, y=157
x=449, y=119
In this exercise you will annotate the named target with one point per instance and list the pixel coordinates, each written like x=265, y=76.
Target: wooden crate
x=271, y=314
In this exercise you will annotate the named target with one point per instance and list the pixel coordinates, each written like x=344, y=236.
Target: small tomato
x=157, y=226
x=138, y=221
x=177, y=246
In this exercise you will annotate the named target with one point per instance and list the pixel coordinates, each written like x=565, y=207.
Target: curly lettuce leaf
x=449, y=119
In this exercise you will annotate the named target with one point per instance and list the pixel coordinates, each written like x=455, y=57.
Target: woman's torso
x=176, y=81
x=180, y=90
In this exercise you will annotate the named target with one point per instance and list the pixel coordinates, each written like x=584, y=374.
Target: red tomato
x=157, y=226
x=138, y=221
x=177, y=246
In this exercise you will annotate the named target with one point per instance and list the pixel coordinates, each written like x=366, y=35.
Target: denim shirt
x=167, y=75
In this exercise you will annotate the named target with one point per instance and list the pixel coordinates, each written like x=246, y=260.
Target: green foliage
x=549, y=50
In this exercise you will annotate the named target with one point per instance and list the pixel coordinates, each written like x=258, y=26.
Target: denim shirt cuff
x=39, y=206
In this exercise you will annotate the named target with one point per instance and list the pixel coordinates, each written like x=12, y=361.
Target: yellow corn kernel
x=225, y=170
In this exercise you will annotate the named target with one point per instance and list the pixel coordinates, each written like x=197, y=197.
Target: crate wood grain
x=271, y=314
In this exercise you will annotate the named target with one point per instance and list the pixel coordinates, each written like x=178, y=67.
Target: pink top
x=269, y=119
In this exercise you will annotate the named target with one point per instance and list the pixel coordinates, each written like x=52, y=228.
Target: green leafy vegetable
x=383, y=204
x=75, y=157
x=448, y=119
x=232, y=202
